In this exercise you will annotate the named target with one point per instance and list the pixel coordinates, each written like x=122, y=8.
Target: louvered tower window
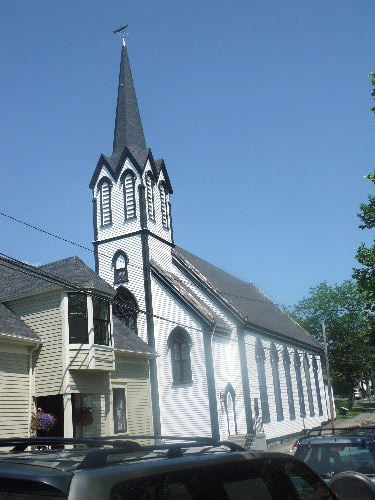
x=288, y=380
x=276, y=382
x=260, y=359
x=317, y=385
x=129, y=195
x=306, y=367
x=301, y=397
x=150, y=196
x=164, y=206
x=105, y=203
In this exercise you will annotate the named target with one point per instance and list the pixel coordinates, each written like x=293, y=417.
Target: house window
x=179, y=344
x=288, y=380
x=276, y=382
x=125, y=307
x=150, y=196
x=317, y=385
x=260, y=359
x=77, y=315
x=119, y=410
x=105, y=203
x=120, y=264
x=129, y=195
x=164, y=206
x=101, y=320
x=306, y=367
x=301, y=397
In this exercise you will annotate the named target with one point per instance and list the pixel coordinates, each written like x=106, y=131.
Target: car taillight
x=294, y=448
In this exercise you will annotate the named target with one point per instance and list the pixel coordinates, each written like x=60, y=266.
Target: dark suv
x=108, y=469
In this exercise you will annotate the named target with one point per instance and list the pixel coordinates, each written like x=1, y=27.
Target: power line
x=174, y=278
x=38, y=273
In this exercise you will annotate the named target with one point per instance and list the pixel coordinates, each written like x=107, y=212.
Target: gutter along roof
x=244, y=300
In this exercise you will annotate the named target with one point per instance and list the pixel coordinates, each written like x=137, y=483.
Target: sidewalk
x=365, y=418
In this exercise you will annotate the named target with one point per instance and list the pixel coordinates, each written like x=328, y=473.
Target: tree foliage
x=343, y=310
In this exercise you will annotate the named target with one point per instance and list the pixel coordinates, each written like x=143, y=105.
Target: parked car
x=199, y=469
x=346, y=451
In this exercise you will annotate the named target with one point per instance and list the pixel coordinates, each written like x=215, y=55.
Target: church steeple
x=128, y=125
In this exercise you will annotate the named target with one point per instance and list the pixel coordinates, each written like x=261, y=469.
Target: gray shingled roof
x=14, y=283
x=246, y=300
x=191, y=298
x=12, y=325
x=126, y=340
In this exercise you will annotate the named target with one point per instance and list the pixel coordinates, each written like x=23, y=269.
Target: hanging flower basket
x=41, y=421
x=83, y=416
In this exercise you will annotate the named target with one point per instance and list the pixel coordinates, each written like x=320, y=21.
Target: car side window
x=239, y=480
x=308, y=485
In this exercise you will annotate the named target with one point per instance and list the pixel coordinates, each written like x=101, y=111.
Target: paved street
x=365, y=418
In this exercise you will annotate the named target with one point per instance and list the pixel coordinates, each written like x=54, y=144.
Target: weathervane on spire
x=122, y=29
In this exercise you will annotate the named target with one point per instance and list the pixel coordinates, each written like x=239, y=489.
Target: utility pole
x=328, y=377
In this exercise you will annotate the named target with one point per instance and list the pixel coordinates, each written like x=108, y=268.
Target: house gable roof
x=12, y=326
x=252, y=307
x=16, y=282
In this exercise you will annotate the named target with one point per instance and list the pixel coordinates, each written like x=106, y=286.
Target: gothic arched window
x=150, y=196
x=230, y=409
x=306, y=367
x=276, y=382
x=179, y=344
x=164, y=205
x=125, y=307
x=317, y=385
x=104, y=189
x=129, y=194
x=260, y=359
x=120, y=265
x=301, y=397
x=288, y=380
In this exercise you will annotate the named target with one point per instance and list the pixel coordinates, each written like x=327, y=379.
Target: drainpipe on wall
x=31, y=383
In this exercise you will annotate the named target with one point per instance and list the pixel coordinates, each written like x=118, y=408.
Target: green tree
x=343, y=310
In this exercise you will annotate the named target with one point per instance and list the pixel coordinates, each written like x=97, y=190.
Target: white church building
x=227, y=355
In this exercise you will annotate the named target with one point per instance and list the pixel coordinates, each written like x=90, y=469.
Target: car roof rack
x=341, y=430
x=98, y=457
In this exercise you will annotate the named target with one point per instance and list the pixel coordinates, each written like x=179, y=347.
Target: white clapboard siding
x=134, y=377
x=14, y=395
x=43, y=314
x=184, y=408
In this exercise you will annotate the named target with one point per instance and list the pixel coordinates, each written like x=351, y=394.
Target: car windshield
x=329, y=459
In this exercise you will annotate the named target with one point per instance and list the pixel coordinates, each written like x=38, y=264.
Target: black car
x=108, y=469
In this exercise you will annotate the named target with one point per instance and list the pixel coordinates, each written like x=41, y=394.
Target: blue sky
x=259, y=108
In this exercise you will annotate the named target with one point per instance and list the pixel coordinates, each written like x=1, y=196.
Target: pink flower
x=40, y=409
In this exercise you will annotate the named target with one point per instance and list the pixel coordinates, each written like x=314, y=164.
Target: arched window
x=306, y=367
x=288, y=380
x=150, y=196
x=164, y=206
x=104, y=189
x=125, y=307
x=301, y=397
x=317, y=385
x=260, y=359
x=276, y=382
x=179, y=344
x=129, y=195
x=120, y=265
x=230, y=409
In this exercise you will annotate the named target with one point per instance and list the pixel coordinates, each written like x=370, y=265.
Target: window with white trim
x=129, y=196
x=276, y=382
x=317, y=385
x=119, y=410
x=105, y=203
x=260, y=359
x=288, y=380
x=301, y=396
x=179, y=344
x=120, y=265
x=306, y=367
x=150, y=196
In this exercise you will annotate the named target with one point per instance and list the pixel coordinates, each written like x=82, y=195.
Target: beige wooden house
x=61, y=349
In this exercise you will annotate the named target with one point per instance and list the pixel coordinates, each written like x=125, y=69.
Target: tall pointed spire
x=128, y=125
